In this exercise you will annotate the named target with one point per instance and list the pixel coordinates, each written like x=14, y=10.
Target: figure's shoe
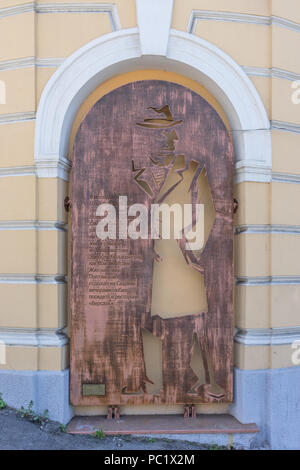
x=214, y=391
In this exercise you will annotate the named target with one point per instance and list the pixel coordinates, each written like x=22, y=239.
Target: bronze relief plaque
x=151, y=318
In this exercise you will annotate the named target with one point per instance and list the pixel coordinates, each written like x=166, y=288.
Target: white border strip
x=285, y=178
x=48, y=337
x=271, y=73
x=62, y=279
x=17, y=63
x=267, y=280
x=197, y=15
x=33, y=225
x=263, y=174
x=17, y=117
x=268, y=229
x=32, y=279
x=35, y=337
x=108, y=8
x=44, y=169
x=284, y=23
x=225, y=16
x=17, y=10
x=54, y=169
x=25, y=62
x=17, y=171
x=267, y=336
x=257, y=172
x=258, y=71
x=286, y=126
x=49, y=62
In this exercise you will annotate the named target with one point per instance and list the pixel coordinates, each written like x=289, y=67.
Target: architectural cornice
x=17, y=117
x=17, y=9
x=268, y=229
x=49, y=62
x=261, y=20
x=53, y=168
x=34, y=337
x=285, y=23
x=267, y=336
x=225, y=16
x=157, y=14
x=17, y=63
x=17, y=171
x=285, y=178
x=26, y=62
x=81, y=7
x=32, y=279
x=33, y=225
x=286, y=126
x=271, y=73
x=267, y=280
x=252, y=171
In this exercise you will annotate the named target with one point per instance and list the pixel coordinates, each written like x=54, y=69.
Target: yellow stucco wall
x=258, y=48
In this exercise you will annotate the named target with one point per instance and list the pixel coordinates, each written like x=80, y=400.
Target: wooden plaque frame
x=127, y=145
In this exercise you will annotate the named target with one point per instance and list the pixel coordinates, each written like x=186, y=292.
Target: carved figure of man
x=177, y=315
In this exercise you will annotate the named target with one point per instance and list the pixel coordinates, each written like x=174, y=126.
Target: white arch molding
x=128, y=50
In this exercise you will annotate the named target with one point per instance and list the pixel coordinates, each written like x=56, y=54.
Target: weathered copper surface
x=162, y=424
x=127, y=145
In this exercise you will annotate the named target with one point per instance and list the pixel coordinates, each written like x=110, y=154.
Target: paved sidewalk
x=18, y=433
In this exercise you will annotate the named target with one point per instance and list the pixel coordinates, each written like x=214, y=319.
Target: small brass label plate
x=93, y=389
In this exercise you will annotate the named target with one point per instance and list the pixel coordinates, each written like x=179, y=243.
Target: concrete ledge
x=161, y=424
x=222, y=430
